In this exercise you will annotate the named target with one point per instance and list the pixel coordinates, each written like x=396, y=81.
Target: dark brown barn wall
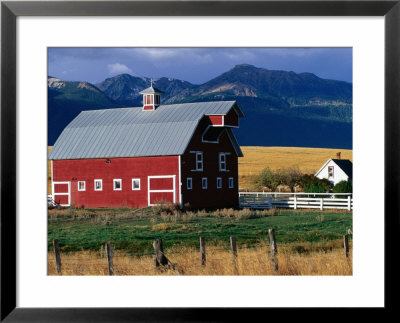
x=211, y=197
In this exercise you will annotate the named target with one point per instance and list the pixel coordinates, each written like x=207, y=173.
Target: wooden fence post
x=159, y=258
x=109, y=252
x=203, y=251
x=234, y=254
x=346, y=245
x=57, y=255
x=273, y=248
x=233, y=247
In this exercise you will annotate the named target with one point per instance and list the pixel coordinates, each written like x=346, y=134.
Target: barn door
x=62, y=193
x=161, y=189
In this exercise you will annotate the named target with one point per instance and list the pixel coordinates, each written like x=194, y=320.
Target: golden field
x=250, y=262
x=308, y=160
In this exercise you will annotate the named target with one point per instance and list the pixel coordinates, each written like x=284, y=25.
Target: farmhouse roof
x=131, y=132
x=345, y=164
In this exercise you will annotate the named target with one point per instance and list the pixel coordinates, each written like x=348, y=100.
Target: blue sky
x=196, y=65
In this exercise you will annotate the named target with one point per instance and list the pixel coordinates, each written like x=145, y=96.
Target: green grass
x=134, y=231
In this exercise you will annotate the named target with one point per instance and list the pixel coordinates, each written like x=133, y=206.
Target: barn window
x=189, y=183
x=81, y=186
x=135, y=184
x=199, y=160
x=204, y=183
x=330, y=172
x=219, y=182
x=230, y=182
x=98, y=184
x=117, y=184
x=222, y=162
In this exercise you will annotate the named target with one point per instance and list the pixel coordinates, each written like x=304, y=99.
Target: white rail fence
x=322, y=201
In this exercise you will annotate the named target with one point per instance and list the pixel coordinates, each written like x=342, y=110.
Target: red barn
x=137, y=157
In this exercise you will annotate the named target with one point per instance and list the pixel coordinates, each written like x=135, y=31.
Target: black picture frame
x=10, y=10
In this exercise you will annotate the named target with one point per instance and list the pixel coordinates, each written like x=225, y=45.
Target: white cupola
x=151, y=98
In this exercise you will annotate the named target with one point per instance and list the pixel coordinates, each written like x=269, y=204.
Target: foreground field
x=255, y=159
x=330, y=261
x=308, y=160
x=135, y=230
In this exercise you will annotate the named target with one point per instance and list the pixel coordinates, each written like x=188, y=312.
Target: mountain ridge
x=310, y=108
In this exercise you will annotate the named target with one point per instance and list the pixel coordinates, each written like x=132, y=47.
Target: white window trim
x=198, y=153
x=189, y=180
x=115, y=181
x=84, y=186
x=204, y=187
x=225, y=154
x=231, y=182
x=136, y=189
x=219, y=179
x=98, y=180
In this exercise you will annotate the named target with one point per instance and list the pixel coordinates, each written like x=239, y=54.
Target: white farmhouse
x=336, y=170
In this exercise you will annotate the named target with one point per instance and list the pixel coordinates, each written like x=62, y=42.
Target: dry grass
x=308, y=160
x=329, y=260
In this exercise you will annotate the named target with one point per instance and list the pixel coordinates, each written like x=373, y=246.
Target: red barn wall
x=211, y=197
x=119, y=168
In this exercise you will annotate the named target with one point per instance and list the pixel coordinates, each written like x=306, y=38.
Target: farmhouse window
x=117, y=184
x=222, y=162
x=219, y=182
x=135, y=184
x=98, y=184
x=189, y=183
x=204, y=183
x=81, y=186
x=330, y=172
x=230, y=182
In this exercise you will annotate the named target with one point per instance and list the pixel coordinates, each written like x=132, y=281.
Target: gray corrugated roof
x=131, y=132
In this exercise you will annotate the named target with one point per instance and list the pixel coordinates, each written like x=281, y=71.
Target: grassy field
x=135, y=230
x=255, y=159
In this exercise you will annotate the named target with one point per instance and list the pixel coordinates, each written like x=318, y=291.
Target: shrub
x=313, y=184
x=164, y=206
x=343, y=187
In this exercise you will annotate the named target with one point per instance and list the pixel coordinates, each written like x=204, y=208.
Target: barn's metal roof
x=132, y=132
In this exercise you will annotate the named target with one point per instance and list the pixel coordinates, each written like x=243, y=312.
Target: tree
x=267, y=178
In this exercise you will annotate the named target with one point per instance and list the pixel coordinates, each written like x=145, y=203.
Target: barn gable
x=132, y=132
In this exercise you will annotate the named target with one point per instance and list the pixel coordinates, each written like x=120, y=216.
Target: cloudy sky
x=196, y=65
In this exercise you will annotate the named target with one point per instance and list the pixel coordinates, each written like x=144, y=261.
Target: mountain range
x=282, y=108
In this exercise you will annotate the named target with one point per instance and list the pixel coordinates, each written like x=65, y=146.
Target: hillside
x=67, y=99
